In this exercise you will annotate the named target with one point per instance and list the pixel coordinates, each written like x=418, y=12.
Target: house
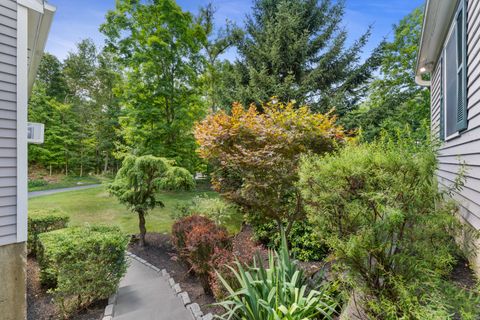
x=24, y=26
x=449, y=57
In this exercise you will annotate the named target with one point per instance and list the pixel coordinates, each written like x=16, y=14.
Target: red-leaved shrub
x=180, y=230
x=200, y=246
x=243, y=250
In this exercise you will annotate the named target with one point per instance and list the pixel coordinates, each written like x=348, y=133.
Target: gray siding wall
x=465, y=148
x=8, y=124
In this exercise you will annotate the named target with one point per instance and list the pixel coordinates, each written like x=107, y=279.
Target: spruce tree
x=297, y=50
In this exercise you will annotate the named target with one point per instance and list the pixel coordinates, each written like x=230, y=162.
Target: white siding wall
x=8, y=111
x=466, y=147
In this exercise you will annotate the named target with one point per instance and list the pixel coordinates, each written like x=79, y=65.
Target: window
x=454, y=100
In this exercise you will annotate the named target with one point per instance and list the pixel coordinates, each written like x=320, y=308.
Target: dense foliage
x=75, y=101
x=394, y=99
x=255, y=156
x=40, y=221
x=82, y=265
x=157, y=46
x=278, y=291
x=376, y=206
x=217, y=209
x=196, y=239
x=296, y=50
x=304, y=242
x=140, y=178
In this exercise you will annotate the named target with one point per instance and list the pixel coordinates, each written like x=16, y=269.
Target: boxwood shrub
x=81, y=264
x=44, y=220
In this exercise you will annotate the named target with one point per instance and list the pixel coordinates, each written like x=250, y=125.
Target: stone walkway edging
x=194, y=308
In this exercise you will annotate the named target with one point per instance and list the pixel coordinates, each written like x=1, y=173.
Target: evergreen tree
x=296, y=50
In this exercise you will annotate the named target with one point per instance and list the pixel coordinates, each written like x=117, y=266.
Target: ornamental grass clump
x=276, y=292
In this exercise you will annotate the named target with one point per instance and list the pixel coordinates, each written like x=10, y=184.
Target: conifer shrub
x=379, y=208
x=81, y=265
x=44, y=220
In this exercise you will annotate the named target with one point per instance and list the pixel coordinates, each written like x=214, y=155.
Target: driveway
x=53, y=191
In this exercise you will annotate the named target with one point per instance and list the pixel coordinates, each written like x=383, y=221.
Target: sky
x=79, y=19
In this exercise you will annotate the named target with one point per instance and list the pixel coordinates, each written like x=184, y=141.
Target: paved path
x=146, y=295
x=53, y=191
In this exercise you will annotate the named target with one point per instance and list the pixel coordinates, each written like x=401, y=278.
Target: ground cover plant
x=81, y=264
x=379, y=209
x=140, y=178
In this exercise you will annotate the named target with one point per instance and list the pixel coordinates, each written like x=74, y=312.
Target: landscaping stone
x=185, y=298
x=109, y=310
x=177, y=288
x=208, y=316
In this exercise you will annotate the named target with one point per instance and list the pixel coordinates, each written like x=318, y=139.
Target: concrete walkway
x=144, y=294
x=53, y=191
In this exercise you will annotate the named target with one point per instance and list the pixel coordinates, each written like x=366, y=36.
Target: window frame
x=461, y=8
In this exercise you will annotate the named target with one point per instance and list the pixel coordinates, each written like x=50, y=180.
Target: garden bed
x=40, y=305
x=160, y=252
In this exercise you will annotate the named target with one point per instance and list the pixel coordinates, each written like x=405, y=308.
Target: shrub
x=82, y=264
x=243, y=251
x=180, y=230
x=255, y=156
x=378, y=207
x=216, y=209
x=305, y=244
x=200, y=246
x=40, y=221
x=37, y=183
x=276, y=292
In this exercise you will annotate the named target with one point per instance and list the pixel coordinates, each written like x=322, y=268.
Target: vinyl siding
x=463, y=150
x=8, y=114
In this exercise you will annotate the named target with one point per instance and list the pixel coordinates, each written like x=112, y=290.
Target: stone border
x=194, y=308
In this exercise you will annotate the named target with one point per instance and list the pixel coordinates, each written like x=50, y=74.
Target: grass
x=96, y=206
x=64, y=182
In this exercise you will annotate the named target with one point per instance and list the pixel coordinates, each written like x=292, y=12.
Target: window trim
x=461, y=6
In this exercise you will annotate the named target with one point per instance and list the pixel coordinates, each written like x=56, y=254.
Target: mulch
x=40, y=305
x=160, y=252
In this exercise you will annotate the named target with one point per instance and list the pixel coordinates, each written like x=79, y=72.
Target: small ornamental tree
x=140, y=178
x=255, y=156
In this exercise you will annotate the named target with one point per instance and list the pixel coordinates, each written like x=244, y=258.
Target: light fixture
x=423, y=70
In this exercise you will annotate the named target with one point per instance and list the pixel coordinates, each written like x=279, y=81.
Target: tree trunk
x=50, y=170
x=141, y=226
x=105, y=168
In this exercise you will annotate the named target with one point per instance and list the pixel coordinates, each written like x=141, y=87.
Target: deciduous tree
x=255, y=155
x=158, y=47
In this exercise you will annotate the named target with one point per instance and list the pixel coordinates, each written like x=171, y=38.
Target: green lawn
x=96, y=206
x=65, y=182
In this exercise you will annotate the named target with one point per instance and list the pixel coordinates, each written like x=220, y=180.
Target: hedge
x=44, y=220
x=81, y=264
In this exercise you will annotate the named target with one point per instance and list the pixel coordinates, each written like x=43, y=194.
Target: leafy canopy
x=255, y=155
x=394, y=99
x=157, y=46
